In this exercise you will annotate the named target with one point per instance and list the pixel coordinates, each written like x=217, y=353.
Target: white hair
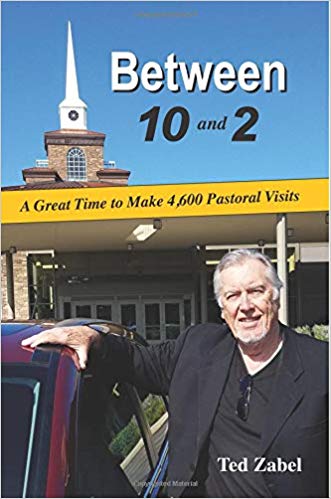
x=238, y=257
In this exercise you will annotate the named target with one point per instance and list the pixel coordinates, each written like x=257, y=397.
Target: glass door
x=87, y=309
x=82, y=310
x=104, y=311
x=152, y=321
x=128, y=314
x=157, y=318
x=172, y=319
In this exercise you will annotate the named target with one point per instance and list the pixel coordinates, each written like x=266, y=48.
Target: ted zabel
x=259, y=464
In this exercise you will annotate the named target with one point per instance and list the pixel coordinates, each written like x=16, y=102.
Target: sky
x=292, y=126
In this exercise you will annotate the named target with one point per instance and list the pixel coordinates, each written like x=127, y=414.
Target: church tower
x=73, y=111
x=74, y=152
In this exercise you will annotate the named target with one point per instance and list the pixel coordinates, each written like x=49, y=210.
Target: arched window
x=76, y=164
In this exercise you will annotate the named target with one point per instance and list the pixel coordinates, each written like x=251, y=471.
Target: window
x=115, y=453
x=152, y=321
x=66, y=310
x=155, y=412
x=41, y=271
x=156, y=318
x=76, y=164
x=172, y=320
x=83, y=311
x=20, y=396
x=128, y=315
x=187, y=312
x=138, y=424
x=104, y=312
x=129, y=450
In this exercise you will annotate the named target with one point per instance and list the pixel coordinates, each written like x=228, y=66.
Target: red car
x=72, y=434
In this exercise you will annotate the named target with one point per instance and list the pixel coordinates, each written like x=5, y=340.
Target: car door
x=120, y=432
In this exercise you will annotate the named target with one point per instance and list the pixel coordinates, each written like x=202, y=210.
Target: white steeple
x=72, y=109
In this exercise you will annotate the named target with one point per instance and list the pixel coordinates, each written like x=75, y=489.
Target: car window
x=113, y=456
x=120, y=434
x=36, y=398
x=128, y=442
x=156, y=414
x=20, y=398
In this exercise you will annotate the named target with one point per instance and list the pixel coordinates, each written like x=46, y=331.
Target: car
x=71, y=433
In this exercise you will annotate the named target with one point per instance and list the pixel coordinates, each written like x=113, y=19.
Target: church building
x=152, y=273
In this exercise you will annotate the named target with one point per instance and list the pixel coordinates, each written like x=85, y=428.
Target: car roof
x=13, y=332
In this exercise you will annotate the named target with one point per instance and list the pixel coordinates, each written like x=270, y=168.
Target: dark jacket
x=192, y=370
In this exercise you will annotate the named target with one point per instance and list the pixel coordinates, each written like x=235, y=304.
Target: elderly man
x=248, y=399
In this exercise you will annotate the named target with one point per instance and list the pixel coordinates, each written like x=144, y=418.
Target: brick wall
x=6, y=311
x=57, y=159
x=21, y=296
x=20, y=268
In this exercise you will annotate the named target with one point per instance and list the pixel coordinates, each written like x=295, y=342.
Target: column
x=55, y=304
x=281, y=240
x=10, y=283
x=7, y=286
x=203, y=274
x=21, y=288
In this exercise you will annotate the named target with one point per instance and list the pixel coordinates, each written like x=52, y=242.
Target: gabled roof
x=61, y=185
x=72, y=131
x=39, y=169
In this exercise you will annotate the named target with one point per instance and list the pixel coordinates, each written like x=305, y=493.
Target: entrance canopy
x=174, y=233
x=163, y=216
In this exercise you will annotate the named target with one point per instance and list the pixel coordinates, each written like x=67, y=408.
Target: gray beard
x=250, y=339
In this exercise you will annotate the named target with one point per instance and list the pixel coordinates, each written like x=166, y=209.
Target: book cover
x=142, y=141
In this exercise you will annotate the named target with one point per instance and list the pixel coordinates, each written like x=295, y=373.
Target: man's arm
x=149, y=367
x=79, y=338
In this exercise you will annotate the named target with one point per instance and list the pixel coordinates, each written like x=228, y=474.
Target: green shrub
x=318, y=331
x=153, y=408
x=126, y=439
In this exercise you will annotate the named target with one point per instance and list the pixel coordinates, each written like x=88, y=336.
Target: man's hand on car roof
x=79, y=338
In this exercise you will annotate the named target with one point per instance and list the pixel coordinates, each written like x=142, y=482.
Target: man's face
x=247, y=301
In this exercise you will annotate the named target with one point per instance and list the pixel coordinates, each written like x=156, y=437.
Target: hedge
x=127, y=438
x=318, y=331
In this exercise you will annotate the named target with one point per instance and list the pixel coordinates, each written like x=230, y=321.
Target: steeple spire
x=72, y=109
x=71, y=76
